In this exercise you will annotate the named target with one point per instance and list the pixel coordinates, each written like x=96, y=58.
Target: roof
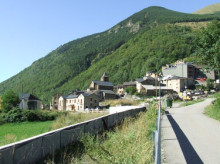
x=72, y=96
x=85, y=94
x=108, y=91
x=129, y=83
x=170, y=77
x=27, y=96
x=139, y=80
x=119, y=86
x=103, y=83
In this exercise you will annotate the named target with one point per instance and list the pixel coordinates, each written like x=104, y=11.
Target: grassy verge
x=213, y=111
x=191, y=102
x=130, y=142
x=11, y=132
x=122, y=102
x=73, y=118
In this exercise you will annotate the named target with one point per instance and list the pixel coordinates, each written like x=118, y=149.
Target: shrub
x=2, y=121
x=9, y=101
x=131, y=90
x=18, y=115
x=15, y=115
x=38, y=115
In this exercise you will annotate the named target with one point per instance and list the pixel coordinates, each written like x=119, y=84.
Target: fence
x=157, y=134
x=36, y=148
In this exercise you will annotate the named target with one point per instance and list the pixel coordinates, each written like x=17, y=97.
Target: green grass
x=73, y=118
x=130, y=142
x=213, y=111
x=191, y=102
x=11, y=132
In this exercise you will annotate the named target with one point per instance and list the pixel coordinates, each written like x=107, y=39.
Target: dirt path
x=188, y=136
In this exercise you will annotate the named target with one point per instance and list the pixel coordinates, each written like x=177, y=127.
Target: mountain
x=143, y=42
x=212, y=9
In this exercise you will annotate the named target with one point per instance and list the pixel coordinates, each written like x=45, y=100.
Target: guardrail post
x=157, y=133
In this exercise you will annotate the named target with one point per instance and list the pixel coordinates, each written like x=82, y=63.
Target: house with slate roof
x=29, y=101
x=78, y=103
x=103, y=88
x=103, y=84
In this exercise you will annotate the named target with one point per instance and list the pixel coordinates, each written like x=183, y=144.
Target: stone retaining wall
x=36, y=148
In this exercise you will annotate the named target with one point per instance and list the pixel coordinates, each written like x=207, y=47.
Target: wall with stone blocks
x=33, y=149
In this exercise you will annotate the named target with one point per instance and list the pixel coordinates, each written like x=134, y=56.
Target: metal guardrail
x=157, y=134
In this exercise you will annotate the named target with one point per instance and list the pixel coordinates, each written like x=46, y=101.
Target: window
x=95, y=101
x=75, y=101
x=90, y=99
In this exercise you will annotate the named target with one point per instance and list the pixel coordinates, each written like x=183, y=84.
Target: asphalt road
x=189, y=136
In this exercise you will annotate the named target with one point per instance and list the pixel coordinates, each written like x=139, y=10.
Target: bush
x=2, y=121
x=131, y=90
x=18, y=115
x=15, y=115
x=38, y=115
x=10, y=100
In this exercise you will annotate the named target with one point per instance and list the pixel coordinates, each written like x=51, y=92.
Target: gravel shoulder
x=189, y=136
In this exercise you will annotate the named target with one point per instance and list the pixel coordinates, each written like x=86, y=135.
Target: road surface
x=189, y=136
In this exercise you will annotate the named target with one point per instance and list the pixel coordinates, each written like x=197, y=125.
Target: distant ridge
x=215, y=8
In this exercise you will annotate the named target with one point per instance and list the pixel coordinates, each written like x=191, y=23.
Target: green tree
x=9, y=101
x=210, y=84
x=208, y=46
x=131, y=90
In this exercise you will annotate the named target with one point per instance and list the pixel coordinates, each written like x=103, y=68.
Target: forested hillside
x=143, y=42
x=146, y=52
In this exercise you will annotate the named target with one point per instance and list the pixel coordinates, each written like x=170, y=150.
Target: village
x=185, y=81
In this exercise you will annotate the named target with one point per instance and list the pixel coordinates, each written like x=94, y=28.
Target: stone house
x=78, y=103
x=103, y=84
x=138, y=84
x=103, y=88
x=55, y=101
x=151, y=90
x=145, y=81
x=29, y=101
x=178, y=84
x=119, y=90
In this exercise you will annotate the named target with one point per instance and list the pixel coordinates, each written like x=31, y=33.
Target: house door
x=73, y=107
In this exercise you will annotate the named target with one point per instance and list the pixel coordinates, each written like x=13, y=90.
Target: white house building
x=79, y=102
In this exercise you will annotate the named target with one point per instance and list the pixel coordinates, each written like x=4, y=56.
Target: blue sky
x=30, y=29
